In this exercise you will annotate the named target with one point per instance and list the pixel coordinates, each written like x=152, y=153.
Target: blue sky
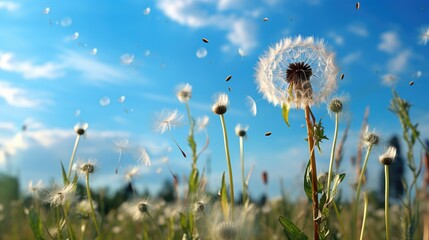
x=49, y=70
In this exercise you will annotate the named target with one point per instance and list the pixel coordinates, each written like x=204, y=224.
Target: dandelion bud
x=336, y=105
x=388, y=156
x=221, y=104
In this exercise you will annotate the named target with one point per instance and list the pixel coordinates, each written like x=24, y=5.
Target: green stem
x=72, y=156
x=314, y=192
x=94, y=218
x=66, y=219
x=331, y=161
x=362, y=174
x=386, y=202
x=242, y=170
x=340, y=221
x=228, y=160
x=365, y=208
x=156, y=225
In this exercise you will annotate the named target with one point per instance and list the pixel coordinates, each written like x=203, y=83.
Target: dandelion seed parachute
x=251, y=104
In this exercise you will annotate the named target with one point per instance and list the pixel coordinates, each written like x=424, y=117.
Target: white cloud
x=338, y=39
x=18, y=97
x=358, y=30
x=228, y=4
x=390, y=42
x=29, y=70
x=389, y=80
x=195, y=14
x=351, y=57
x=398, y=63
x=9, y=5
x=8, y=126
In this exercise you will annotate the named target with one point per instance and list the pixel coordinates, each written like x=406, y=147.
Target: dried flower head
x=57, y=196
x=221, y=104
x=388, y=156
x=80, y=128
x=370, y=138
x=202, y=123
x=87, y=168
x=297, y=72
x=241, y=131
x=167, y=119
x=200, y=203
x=336, y=105
x=184, y=92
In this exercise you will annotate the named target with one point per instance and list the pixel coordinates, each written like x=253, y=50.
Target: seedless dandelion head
x=137, y=209
x=57, y=196
x=87, y=167
x=80, y=128
x=388, y=156
x=370, y=138
x=297, y=72
x=241, y=131
x=184, y=92
x=221, y=104
x=167, y=119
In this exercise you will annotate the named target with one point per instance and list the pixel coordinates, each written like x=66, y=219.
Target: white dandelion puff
x=167, y=119
x=388, y=156
x=221, y=104
x=184, y=92
x=57, y=196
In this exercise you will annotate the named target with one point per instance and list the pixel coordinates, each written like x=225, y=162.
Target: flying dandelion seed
x=205, y=40
x=418, y=74
x=228, y=78
x=46, y=10
x=389, y=79
x=104, y=101
x=121, y=99
x=251, y=104
x=143, y=156
x=146, y=11
x=357, y=5
x=241, y=52
x=77, y=113
x=424, y=35
x=127, y=58
x=147, y=53
x=166, y=120
x=268, y=134
x=94, y=51
x=201, y=53
x=75, y=36
x=158, y=170
x=342, y=76
x=65, y=22
x=229, y=89
x=265, y=19
x=121, y=146
x=411, y=83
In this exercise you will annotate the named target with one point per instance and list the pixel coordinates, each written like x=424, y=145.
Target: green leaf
x=224, y=198
x=183, y=222
x=307, y=181
x=35, y=224
x=285, y=113
x=63, y=171
x=337, y=180
x=291, y=231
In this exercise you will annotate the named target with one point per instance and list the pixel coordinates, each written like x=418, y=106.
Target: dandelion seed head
x=388, y=156
x=221, y=104
x=336, y=105
x=57, y=196
x=297, y=72
x=87, y=167
x=370, y=138
x=80, y=128
x=184, y=92
x=241, y=131
x=167, y=119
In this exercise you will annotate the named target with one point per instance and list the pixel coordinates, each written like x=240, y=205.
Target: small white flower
x=221, y=104
x=184, y=92
x=57, y=196
x=167, y=119
x=202, y=123
x=297, y=72
x=388, y=156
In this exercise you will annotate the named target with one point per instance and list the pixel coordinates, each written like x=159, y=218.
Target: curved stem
x=94, y=218
x=242, y=170
x=156, y=225
x=228, y=160
x=72, y=156
x=331, y=161
x=386, y=202
x=314, y=194
x=365, y=208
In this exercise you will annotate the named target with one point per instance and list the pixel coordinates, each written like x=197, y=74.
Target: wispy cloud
x=28, y=69
x=359, y=30
x=390, y=42
x=351, y=57
x=195, y=14
x=9, y=5
x=18, y=97
x=398, y=63
x=338, y=39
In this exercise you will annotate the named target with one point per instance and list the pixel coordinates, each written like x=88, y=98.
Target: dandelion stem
x=331, y=161
x=228, y=160
x=365, y=209
x=314, y=194
x=361, y=176
x=386, y=201
x=242, y=170
x=340, y=221
x=156, y=225
x=119, y=161
x=94, y=218
x=72, y=156
x=66, y=220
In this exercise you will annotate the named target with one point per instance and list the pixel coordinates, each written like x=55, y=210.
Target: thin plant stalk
x=365, y=209
x=362, y=173
x=228, y=160
x=386, y=201
x=191, y=136
x=72, y=156
x=66, y=221
x=242, y=170
x=94, y=219
x=156, y=225
x=331, y=161
x=313, y=172
x=340, y=221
